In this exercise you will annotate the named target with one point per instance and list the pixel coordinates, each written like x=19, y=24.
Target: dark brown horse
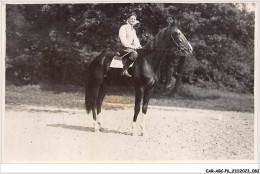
x=145, y=73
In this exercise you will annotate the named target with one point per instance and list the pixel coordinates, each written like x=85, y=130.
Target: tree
x=54, y=42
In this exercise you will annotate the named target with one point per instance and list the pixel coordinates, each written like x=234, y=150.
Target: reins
x=177, y=47
x=154, y=49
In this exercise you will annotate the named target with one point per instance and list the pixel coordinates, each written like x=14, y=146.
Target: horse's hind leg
x=138, y=97
x=102, y=93
x=96, y=125
x=147, y=95
x=95, y=94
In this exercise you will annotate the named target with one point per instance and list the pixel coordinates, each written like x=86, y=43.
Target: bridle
x=177, y=46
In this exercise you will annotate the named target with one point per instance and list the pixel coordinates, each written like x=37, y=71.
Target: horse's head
x=170, y=38
x=178, y=39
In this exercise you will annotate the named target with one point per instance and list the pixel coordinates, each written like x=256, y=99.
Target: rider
x=130, y=42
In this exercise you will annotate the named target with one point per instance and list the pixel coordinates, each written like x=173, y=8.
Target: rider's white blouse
x=128, y=38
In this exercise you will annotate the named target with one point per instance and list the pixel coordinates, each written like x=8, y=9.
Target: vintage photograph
x=129, y=83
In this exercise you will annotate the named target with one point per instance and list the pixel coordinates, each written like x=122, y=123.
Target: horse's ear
x=170, y=21
x=173, y=22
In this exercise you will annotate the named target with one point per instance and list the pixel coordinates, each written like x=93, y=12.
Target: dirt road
x=45, y=134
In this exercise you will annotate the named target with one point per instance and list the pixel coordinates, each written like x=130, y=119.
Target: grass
x=201, y=98
x=69, y=96
x=38, y=95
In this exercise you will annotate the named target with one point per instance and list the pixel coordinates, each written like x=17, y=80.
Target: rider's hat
x=132, y=14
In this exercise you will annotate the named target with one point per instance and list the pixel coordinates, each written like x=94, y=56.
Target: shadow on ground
x=86, y=129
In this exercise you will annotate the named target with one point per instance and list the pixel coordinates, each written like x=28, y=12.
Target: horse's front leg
x=147, y=96
x=96, y=125
x=138, y=98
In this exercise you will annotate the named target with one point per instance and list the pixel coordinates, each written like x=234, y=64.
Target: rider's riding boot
x=125, y=68
x=125, y=73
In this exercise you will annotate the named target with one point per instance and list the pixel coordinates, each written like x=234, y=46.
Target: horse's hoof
x=134, y=134
x=97, y=126
x=143, y=133
x=134, y=131
x=143, y=130
x=97, y=130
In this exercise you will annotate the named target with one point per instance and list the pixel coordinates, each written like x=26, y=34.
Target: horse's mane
x=152, y=50
x=154, y=42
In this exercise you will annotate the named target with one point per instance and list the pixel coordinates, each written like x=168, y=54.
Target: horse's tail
x=91, y=81
x=88, y=96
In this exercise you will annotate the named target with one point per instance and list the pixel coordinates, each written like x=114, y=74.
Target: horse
x=146, y=71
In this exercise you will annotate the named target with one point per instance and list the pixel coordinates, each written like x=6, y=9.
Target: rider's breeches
x=133, y=55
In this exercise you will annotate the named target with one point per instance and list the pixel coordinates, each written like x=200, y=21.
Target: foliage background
x=54, y=42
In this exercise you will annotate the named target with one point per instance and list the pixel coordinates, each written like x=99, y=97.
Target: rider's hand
x=135, y=48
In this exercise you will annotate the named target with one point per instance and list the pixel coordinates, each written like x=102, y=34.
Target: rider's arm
x=122, y=36
x=136, y=42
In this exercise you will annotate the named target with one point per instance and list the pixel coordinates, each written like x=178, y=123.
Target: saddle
x=117, y=59
x=118, y=56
